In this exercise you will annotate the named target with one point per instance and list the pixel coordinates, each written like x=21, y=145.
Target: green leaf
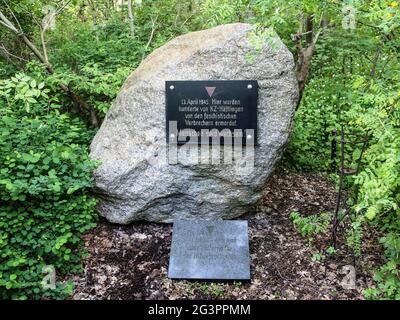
x=71, y=190
x=57, y=187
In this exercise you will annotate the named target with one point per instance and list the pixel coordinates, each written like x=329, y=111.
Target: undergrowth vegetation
x=47, y=107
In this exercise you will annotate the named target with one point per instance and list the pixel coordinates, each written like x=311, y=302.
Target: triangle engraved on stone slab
x=210, y=229
x=210, y=91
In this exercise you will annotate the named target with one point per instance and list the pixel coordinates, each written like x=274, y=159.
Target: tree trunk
x=304, y=55
x=131, y=18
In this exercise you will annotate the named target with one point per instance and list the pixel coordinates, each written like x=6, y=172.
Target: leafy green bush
x=216, y=12
x=44, y=179
x=343, y=90
x=311, y=225
x=77, y=44
x=309, y=149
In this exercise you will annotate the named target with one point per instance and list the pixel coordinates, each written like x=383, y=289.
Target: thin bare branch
x=62, y=7
x=153, y=29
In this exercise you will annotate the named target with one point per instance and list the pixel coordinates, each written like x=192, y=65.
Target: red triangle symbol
x=210, y=91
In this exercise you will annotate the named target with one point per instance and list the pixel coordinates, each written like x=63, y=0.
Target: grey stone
x=209, y=250
x=135, y=180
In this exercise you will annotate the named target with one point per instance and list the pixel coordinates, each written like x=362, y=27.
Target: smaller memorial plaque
x=212, y=111
x=209, y=250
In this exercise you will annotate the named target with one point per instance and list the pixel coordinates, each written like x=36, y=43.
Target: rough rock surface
x=135, y=181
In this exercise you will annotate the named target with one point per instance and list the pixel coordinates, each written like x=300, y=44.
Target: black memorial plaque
x=206, y=109
x=209, y=250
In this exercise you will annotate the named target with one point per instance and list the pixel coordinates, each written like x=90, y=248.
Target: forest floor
x=131, y=262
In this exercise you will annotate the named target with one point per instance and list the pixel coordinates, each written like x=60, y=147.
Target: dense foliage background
x=52, y=102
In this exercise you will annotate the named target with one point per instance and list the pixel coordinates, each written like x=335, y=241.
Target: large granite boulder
x=135, y=181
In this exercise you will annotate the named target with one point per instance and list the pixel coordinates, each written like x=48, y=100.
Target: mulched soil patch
x=131, y=262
